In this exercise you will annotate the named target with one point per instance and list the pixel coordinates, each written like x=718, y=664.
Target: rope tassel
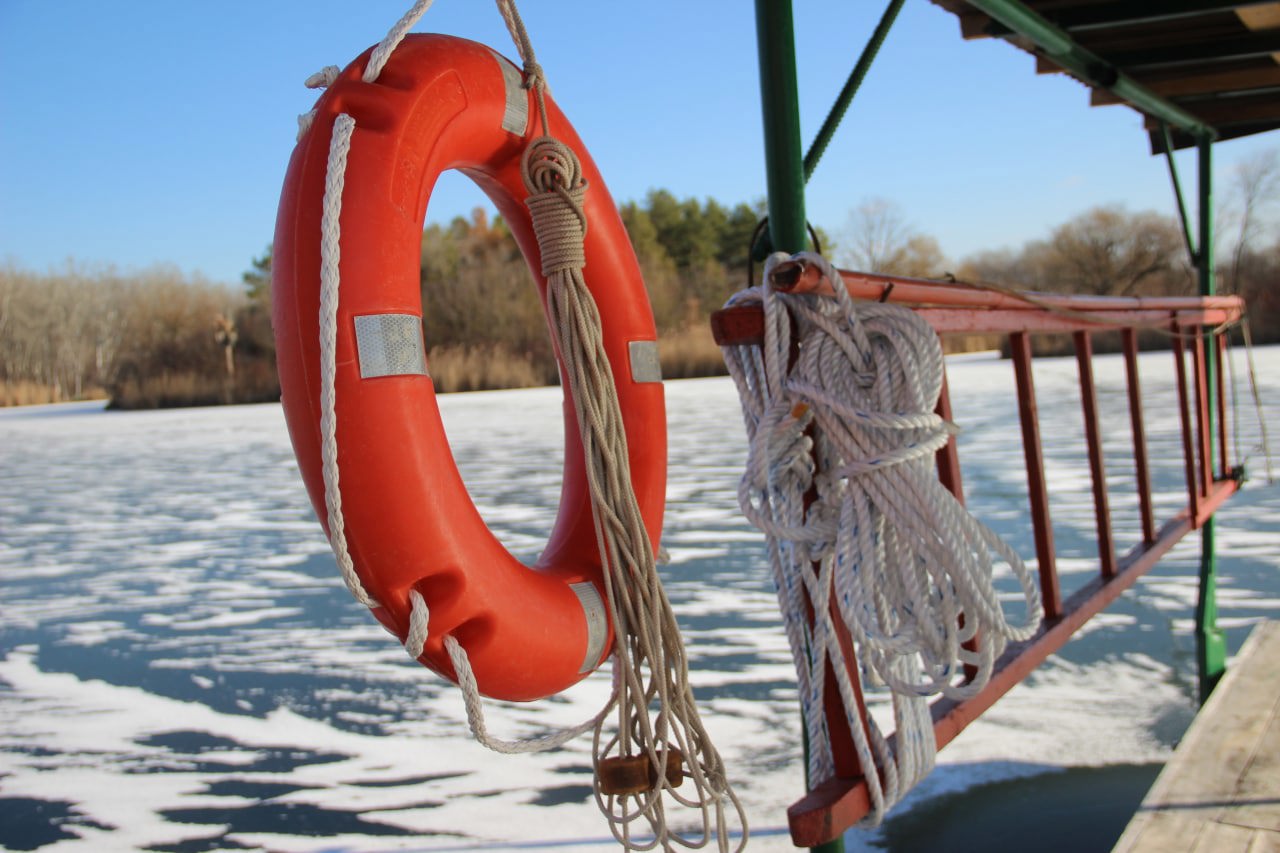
x=639, y=766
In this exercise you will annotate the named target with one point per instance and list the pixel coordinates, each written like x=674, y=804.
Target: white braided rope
x=326, y=76
x=840, y=477
x=382, y=53
x=414, y=643
x=330, y=255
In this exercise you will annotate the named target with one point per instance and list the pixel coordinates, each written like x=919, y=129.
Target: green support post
x=1177, y=194
x=828, y=129
x=779, y=101
x=783, y=155
x=1211, y=646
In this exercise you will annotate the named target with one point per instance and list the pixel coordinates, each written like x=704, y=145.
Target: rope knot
x=549, y=165
x=305, y=120
x=324, y=78
x=534, y=78
x=553, y=176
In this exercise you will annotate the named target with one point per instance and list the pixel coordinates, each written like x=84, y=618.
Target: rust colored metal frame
x=1097, y=468
x=1037, y=483
x=962, y=307
x=831, y=807
x=1142, y=473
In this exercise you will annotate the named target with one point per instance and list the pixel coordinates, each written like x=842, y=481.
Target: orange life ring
x=447, y=103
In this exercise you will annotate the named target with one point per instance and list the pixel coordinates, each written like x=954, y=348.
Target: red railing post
x=949, y=453
x=1141, y=471
x=1037, y=488
x=845, y=756
x=1224, y=457
x=1093, y=439
x=1203, y=427
x=1184, y=415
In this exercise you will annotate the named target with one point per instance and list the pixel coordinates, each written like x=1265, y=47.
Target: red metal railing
x=831, y=807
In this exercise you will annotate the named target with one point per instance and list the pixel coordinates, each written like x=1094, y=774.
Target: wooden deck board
x=1221, y=789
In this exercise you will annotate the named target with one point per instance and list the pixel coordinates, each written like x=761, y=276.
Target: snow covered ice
x=182, y=669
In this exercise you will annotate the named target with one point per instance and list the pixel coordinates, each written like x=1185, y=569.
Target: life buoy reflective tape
x=447, y=103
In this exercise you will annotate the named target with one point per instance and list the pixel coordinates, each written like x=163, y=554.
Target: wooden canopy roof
x=1214, y=63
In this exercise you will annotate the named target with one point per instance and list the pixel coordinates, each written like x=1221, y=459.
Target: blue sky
x=144, y=132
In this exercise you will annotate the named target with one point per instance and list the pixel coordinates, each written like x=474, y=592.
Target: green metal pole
x=784, y=158
x=780, y=104
x=1177, y=194
x=850, y=89
x=1211, y=646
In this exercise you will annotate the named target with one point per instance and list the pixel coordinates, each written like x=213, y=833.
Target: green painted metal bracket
x=850, y=89
x=786, y=171
x=1088, y=66
x=1062, y=49
x=780, y=104
x=1177, y=192
x=784, y=164
x=1211, y=645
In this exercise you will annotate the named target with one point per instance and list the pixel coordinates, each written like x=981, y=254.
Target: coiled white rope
x=650, y=666
x=840, y=477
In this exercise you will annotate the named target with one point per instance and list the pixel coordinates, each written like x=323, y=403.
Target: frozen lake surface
x=181, y=668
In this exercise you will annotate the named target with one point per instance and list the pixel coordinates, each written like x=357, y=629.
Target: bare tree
x=1251, y=195
x=1109, y=251
x=877, y=238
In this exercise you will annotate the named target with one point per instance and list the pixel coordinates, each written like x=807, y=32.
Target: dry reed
x=481, y=368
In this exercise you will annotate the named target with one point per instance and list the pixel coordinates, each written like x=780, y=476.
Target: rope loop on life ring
x=366, y=428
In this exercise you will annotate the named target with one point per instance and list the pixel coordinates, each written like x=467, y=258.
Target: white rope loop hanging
x=840, y=478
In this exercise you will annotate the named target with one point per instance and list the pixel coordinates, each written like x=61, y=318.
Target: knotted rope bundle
x=840, y=477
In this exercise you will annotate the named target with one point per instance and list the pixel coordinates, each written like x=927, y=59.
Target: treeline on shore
x=146, y=339
x=160, y=338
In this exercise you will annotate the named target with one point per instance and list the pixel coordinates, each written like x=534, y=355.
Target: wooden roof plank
x=1265, y=16
x=1199, y=48
x=1212, y=27
x=1210, y=67
x=1224, y=112
x=975, y=24
x=1185, y=140
x=1202, y=82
